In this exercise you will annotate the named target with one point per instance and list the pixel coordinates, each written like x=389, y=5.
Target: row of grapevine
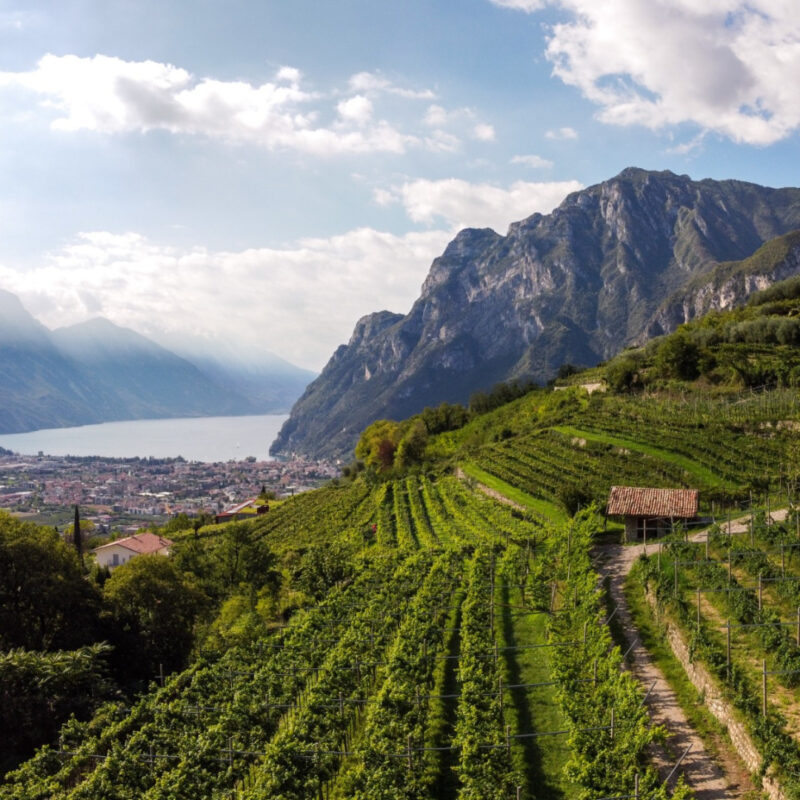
x=484, y=768
x=185, y=725
x=399, y=718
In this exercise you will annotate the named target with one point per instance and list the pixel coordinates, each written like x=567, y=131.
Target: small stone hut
x=649, y=513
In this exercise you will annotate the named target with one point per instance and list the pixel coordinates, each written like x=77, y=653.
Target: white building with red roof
x=121, y=551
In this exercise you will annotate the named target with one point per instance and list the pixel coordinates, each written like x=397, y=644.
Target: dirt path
x=701, y=771
x=488, y=491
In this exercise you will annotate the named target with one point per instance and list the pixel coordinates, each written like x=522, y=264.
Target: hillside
x=432, y=624
x=576, y=285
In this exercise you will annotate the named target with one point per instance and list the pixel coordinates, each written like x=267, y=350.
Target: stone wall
x=722, y=710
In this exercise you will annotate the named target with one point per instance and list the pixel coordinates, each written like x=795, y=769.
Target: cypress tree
x=76, y=535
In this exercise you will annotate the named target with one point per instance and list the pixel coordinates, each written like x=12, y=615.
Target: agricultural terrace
x=444, y=633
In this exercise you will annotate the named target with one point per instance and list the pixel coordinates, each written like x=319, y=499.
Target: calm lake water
x=196, y=439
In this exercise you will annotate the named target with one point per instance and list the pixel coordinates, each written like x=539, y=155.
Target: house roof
x=642, y=502
x=238, y=508
x=141, y=543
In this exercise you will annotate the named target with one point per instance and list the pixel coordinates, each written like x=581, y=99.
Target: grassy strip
x=541, y=761
x=656, y=644
x=550, y=510
x=692, y=467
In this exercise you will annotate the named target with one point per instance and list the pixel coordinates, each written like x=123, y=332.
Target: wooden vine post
x=698, y=608
x=798, y=626
x=728, y=648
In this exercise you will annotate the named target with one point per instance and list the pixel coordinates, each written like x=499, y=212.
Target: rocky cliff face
x=574, y=286
x=727, y=285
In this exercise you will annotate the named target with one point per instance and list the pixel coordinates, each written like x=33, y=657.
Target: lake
x=196, y=438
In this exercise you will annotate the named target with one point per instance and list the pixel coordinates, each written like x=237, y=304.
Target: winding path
x=703, y=774
x=709, y=779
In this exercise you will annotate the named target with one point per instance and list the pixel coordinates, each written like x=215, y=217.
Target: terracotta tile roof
x=141, y=543
x=639, y=502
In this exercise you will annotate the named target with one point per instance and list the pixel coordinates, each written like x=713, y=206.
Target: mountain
x=270, y=383
x=576, y=285
x=728, y=284
x=98, y=372
x=39, y=386
x=146, y=379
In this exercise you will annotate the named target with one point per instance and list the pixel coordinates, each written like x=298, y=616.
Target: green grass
x=698, y=470
x=536, y=504
x=540, y=761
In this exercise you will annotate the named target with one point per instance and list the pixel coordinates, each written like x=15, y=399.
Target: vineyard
x=441, y=633
x=734, y=593
x=467, y=657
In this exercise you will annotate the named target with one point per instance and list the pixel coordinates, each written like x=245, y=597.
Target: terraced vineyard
x=644, y=442
x=466, y=658
x=458, y=645
x=734, y=593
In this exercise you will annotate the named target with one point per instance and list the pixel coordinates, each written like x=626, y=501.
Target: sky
x=266, y=172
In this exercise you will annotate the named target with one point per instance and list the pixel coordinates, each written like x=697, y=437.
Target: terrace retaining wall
x=722, y=710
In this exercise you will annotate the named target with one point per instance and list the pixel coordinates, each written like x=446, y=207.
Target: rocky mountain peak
x=576, y=285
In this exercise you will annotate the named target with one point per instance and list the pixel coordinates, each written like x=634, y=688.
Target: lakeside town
x=124, y=495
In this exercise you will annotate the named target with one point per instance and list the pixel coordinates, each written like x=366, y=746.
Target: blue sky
x=267, y=172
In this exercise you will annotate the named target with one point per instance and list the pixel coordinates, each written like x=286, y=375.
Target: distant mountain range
x=97, y=372
x=630, y=257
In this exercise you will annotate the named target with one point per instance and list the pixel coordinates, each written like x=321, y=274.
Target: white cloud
x=436, y=116
x=300, y=301
x=464, y=120
x=562, y=133
x=479, y=205
x=383, y=197
x=536, y=162
x=484, y=132
x=110, y=95
x=289, y=74
x=728, y=66
x=356, y=109
x=375, y=82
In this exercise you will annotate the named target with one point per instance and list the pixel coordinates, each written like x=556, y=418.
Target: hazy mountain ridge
x=96, y=371
x=576, y=285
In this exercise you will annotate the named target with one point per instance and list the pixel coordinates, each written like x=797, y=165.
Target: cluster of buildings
x=126, y=494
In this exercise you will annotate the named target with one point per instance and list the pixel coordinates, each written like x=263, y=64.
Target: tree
x=378, y=443
x=150, y=613
x=235, y=557
x=41, y=690
x=321, y=567
x=45, y=602
x=244, y=557
x=677, y=357
x=444, y=417
x=76, y=535
x=622, y=375
x=411, y=449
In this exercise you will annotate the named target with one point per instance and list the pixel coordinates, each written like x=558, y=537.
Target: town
x=124, y=495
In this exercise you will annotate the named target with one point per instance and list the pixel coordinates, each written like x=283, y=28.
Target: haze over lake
x=196, y=439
